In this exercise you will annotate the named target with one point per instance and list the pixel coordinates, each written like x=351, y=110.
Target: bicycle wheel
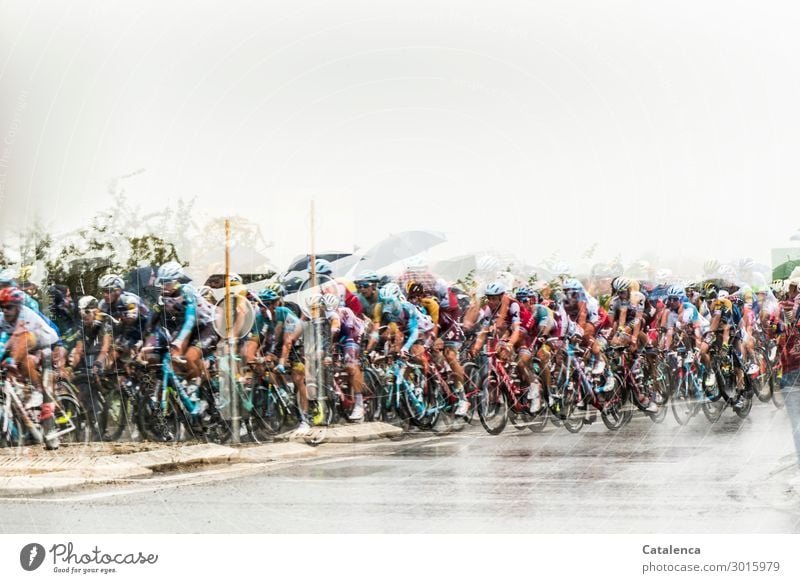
x=115, y=417
x=391, y=410
x=493, y=406
x=472, y=390
x=154, y=424
x=445, y=410
x=370, y=395
x=10, y=431
x=613, y=412
x=713, y=410
x=69, y=417
x=762, y=383
x=268, y=414
x=659, y=390
x=746, y=407
x=682, y=403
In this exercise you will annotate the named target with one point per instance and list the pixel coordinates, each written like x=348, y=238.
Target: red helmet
x=12, y=295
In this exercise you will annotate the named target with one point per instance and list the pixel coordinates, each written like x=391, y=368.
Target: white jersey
x=30, y=321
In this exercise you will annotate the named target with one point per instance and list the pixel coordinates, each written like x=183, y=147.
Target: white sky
x=536, y=127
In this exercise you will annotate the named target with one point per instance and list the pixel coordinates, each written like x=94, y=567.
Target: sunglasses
x=364, y=285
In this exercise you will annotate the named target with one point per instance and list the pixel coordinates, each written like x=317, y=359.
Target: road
x=645, y=478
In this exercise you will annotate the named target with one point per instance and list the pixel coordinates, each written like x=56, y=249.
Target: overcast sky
x=529, y=126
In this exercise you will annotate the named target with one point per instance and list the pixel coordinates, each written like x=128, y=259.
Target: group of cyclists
x=416, y=316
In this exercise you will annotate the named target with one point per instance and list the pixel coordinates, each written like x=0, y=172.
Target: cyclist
x=27, y=335
x=399, y=322
x=92, y=354
x=346, y=330
x=367, y=291
x=128, y=309
x=277, y=333
x=63, y=314
x=188, y=319
x=539, y=323
x=446, y=342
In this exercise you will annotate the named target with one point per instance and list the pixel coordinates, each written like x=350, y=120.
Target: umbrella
x=784, y=270
x=398, y=247
x=242, y=260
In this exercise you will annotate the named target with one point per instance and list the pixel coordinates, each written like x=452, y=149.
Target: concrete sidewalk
x=33, y=471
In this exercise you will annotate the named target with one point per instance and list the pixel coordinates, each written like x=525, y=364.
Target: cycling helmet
x=111, y=281
x=268, y=295
x=723, y=293
x=8, y=276
x=170, y=271
x=313, y=300
x=691, y=285
x=278, y=288
x=621, y=284
x=710, y=291
x=675, y=290
x=390, y=293
x=523, y=293
x=414, y=289
x=322, y=266
x=777, y=286
x=330, y=301
x=87, y=303
x=368, y=276
x=572, y=284
x=496, y=288
x=234, y=278
x=12, y=295
x=204, y=291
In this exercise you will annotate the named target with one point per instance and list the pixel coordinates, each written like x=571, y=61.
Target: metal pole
x=235, y=420
x=315, y=327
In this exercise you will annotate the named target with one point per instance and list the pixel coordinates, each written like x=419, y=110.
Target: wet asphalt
x=733, y=476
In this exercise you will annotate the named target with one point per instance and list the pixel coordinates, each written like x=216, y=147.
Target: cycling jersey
x=183, y=311
x=351, y=327
x=131, y=313
x=401, y=314
x=29, y=321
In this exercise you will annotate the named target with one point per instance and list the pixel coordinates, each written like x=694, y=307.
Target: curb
x=31, y=477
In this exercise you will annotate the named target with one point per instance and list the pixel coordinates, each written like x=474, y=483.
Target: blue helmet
x=268, y=295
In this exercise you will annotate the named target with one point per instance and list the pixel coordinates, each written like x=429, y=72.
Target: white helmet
x=496, y=288
x=170, y=271
x=87, y=303
x=8, y=276
x=330, y=301
x=234, y=278
x=621, y=284
x=390, y=293
x=723, y=293
x=111, y=281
